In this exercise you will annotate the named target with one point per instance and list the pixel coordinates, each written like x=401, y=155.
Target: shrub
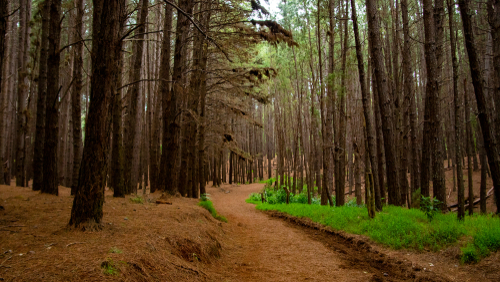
x=429, y=206
x=469, y=254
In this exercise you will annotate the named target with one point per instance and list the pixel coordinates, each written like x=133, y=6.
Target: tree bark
x=432, y=139
x=50, y=172
x=368, y=121
x=87, y=211
x=468, y=148
x=41, y=99
x=130, y=128
x=166, y=165
x=22, y=86
x=458, y=115
x=76, y=95
x=384, y=102
x=483, y=115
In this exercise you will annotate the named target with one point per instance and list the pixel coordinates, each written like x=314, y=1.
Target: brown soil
x=182, y=242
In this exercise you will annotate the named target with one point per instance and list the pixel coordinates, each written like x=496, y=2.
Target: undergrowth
x=109, y=267
x=208, y=205
x=137, y=200
x=279, y=197
x=397, y=227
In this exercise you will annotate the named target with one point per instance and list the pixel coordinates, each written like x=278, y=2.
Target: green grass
x=137, y=200
x=268, y=181
x=208, y=205
x=279, y=197
x=401, y=228
x=109, y=267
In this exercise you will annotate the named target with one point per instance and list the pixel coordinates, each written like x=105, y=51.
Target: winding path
x=263, y=248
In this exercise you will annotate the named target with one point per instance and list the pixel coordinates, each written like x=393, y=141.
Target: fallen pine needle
x=74, y=243
x=1, y=264
x=7, y=226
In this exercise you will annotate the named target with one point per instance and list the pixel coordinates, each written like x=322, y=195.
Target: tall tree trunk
x=483, y=115
x=384, y=102
x=171, y=130
x=341, y=152
x=368, y=121
x=4, y=65
x=494, y=21
x=327, y=115
x=76, y=95
x=201, y=127
x=432, y=139
x=117, y=128
x=409, y=88
x=458, y=115
x=22, y=86
x=87, y=204
x=50, y=173
x=41, y=100
x=132, y=120
x=154, y=128
x=166, y=165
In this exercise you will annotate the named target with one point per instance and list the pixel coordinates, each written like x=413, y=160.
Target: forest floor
x=182, y=242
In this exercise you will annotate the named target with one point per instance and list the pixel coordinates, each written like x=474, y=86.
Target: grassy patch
x=109, y=267
x=401, y=228
x=208, y=205
x=279, y=197
x=137, y=200
x=268, y=181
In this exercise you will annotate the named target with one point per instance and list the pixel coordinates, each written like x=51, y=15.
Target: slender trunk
x=130, y=127
x=76, y=95
x=494, y=21
x=372, y=150
x=432, y=128
x=166, y=165
x=41, y=100
x=384, y=102
x=458, y=115
x=117, y=109
x=483, y=115
x=468, y=147
x=484, y=171
x=201, y=127
x=340, y=190
x=22, y=86
x=50, y=177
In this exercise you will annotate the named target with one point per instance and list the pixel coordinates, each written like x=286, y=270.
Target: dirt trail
x=265, y=248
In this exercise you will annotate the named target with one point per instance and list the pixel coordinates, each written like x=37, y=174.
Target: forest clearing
x=249, y=140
